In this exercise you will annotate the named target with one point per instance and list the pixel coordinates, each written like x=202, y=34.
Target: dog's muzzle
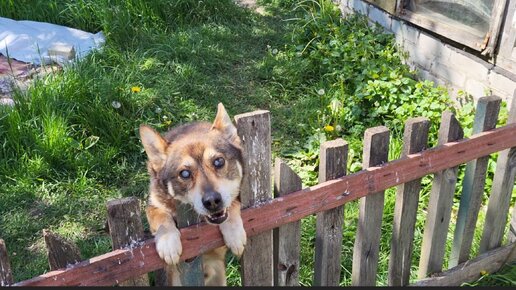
x=212, y=201
x=218, y=217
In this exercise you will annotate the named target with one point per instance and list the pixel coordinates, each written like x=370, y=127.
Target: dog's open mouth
x=218, y=217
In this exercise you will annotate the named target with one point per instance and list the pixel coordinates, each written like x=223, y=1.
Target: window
x=474, y=23
x=507, y=55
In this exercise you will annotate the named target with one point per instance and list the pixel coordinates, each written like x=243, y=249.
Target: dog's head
x=197, y=163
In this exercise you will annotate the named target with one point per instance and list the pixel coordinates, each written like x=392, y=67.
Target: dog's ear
x=223, y=124
x=155, y=146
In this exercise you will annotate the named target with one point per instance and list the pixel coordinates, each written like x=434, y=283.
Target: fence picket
x=440, y=204
x=287, y=238
x=501, y=192
x=473, y=184
x=126, y=228
x=328, y=241
x=190, y=271
x=415, y=139
x=6, y=275
x=254, y=130
x=60, y=252
x=367, y=240
x=512, y=226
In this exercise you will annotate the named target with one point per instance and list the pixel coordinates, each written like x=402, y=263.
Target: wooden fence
x=272, y=213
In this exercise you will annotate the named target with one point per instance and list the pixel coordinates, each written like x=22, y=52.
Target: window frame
x=485, y=44
x=505, y=58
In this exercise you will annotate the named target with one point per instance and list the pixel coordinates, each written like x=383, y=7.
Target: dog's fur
x=200, y=164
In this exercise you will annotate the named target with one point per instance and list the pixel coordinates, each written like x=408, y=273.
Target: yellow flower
x=136, y=89
x=329, y=128
x=483, y=272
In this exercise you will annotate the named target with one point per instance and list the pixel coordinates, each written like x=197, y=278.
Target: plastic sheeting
x=29, y=41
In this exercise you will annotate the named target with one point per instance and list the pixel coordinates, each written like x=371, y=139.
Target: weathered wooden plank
x=126, y=228
x=254, y=130
x=191, y=271
x=415, y=139
x=6, y=275
x=471, y=270
x=494, y=27
x=367, y=239
x=440, y=204
x=503, y=183
x=60, y=252
x=512, y=227
x=328, y=234
x=287, y=238
x=122, y=264
x=473, y=184
x=387, y=5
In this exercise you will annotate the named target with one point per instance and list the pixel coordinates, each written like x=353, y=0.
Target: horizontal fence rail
x=140, y=258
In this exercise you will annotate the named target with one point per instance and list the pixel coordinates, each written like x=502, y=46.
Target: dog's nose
x=212, y=201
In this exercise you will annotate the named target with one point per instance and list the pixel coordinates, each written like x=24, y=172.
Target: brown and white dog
x=199, y=164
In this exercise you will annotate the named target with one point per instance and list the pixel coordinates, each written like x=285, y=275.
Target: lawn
x=71, y=142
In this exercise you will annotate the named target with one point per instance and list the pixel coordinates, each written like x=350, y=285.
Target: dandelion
x=116, y=104
x=275, y=51
x=320, y=92
x=338, y=128
x=158, y=110
x=329, y=128
x=483, y=272
x=135, y=89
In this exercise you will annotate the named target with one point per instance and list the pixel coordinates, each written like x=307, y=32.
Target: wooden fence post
x=367, y=240
x=60, y=252
x=512, y=227
x=501, y=192
x=415, y=139
x=126, y=228
x=6, y=275
x=255, y=131
x=328, y=240
x=440, y=204
x=191, y=271
x=287, y=238
x=473, y=184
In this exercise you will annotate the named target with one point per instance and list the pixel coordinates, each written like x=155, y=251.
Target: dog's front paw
x=234, y=236
x=168, y=244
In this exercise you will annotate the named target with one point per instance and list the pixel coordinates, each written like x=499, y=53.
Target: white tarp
x=28, y=41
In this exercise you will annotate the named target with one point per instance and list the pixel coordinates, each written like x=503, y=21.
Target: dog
x=200, y=164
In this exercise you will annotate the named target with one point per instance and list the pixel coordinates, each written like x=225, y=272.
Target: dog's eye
x=218, y=162
x=185, y=174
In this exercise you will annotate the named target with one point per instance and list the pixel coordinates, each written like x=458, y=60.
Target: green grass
x=67, y=147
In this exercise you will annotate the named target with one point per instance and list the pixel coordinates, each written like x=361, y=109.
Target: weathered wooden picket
x=272, y=214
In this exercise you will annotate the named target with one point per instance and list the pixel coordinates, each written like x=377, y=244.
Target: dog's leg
x=214, y=267
x=233, y=230
x=167, y=236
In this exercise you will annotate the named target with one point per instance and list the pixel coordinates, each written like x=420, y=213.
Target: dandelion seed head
x=116, y=104
x=320, y=92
